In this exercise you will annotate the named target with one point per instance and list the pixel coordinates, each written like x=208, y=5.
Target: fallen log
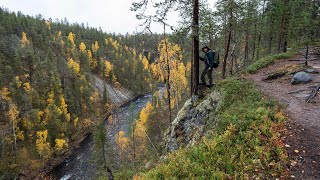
x=313, y=94
x=316, y=59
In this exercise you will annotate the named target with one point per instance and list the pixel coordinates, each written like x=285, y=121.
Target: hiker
x=210, y=62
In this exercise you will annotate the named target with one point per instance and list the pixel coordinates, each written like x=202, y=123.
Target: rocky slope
x=189, y=125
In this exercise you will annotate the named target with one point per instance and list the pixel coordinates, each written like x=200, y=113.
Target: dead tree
x=313, y=94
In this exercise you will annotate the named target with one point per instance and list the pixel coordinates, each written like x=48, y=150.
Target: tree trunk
x=227, y=47
x=195, y=47
x=168, y=73
x=260, y=30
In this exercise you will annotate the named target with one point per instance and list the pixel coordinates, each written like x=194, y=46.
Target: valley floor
x=302, y=134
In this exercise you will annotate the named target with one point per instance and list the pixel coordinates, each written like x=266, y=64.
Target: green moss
x=264, y=62
x=246, y=143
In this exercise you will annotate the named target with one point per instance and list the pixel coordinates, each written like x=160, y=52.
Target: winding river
x=79, y=166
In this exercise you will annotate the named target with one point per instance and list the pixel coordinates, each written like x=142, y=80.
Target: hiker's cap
x=205, y=47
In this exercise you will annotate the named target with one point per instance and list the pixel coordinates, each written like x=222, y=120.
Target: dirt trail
x=302, y=135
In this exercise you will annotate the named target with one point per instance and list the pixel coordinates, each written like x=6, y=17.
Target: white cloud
x=110, y=15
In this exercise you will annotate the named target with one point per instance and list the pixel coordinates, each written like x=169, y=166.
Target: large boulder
x=189, y=125
x=301, y=77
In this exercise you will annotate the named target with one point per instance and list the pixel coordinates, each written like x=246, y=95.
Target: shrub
x=246, y=144
x=266, y=61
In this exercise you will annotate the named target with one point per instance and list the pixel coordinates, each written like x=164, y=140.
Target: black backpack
x=216, y=61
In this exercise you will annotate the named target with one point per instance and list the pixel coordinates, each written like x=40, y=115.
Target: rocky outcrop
x=189, y=125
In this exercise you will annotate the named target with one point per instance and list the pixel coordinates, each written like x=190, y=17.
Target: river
x=79, y=166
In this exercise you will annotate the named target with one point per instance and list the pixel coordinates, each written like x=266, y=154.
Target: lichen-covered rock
x=188, y=127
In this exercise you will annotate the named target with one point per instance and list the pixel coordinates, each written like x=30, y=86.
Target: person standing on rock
x=210, y=63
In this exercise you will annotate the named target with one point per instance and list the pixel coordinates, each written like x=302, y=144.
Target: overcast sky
x=110, y=15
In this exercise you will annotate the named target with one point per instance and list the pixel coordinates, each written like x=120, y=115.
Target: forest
x=57, y=79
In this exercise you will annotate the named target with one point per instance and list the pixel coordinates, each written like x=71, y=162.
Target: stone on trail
x=301, y=77
x=311, y=71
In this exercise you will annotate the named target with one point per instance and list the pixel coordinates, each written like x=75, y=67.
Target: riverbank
x=75, y=145
x=77, y=164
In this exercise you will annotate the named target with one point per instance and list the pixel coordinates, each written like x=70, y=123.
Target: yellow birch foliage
x=82, y=47
x=145, y=63
x=171, y=55
x=71, y=38
x=60, y=144
x=5, y=94
x=141, y=130
x=74, y=66
x=95, y=47
x=43, y=147
x=122, y=143
x=24, y=39
x=107, y=69
x=75, y=122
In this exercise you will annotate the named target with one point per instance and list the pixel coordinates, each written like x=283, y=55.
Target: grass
x=245, y=144
x=266, y=61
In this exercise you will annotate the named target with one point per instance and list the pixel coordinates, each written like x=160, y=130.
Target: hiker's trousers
x=208, y=73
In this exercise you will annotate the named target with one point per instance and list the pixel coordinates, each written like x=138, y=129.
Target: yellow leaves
x=75, y=122
x=280, y=116
x=107, y=69
x=71, y=38
x=145, y=63
x=122, y=141
x=82, y=47
x=5, y=94
x=68, y=117
x=136, y=177
x=26, y=86
x=13, y=113
x=74, y=66
x=60, y=144
x=18, y=82
x=20, y=135
x=95, y=47
x=48, y=23
x=141, y=128
x=59, y=33
x=43, y=147
x=50, y=100
x=24, y=40
x=64, y=106
x=171, y=58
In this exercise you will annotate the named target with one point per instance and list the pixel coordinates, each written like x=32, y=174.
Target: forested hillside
x=62, y=82
x=47, y=97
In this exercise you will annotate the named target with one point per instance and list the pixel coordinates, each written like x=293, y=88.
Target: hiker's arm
x=201, y=58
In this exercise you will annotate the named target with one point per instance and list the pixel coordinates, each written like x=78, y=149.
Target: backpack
x=216, y=61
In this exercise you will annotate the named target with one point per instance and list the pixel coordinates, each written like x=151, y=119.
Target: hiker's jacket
x=208, y=59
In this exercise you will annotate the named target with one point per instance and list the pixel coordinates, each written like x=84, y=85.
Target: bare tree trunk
x=232, y=58
x=226, y=56
x=227, y=47
x=168, y=75
x=260, y=30
x=282, y=41
x=246, y=48
x=110, y=175
x=195, y=47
